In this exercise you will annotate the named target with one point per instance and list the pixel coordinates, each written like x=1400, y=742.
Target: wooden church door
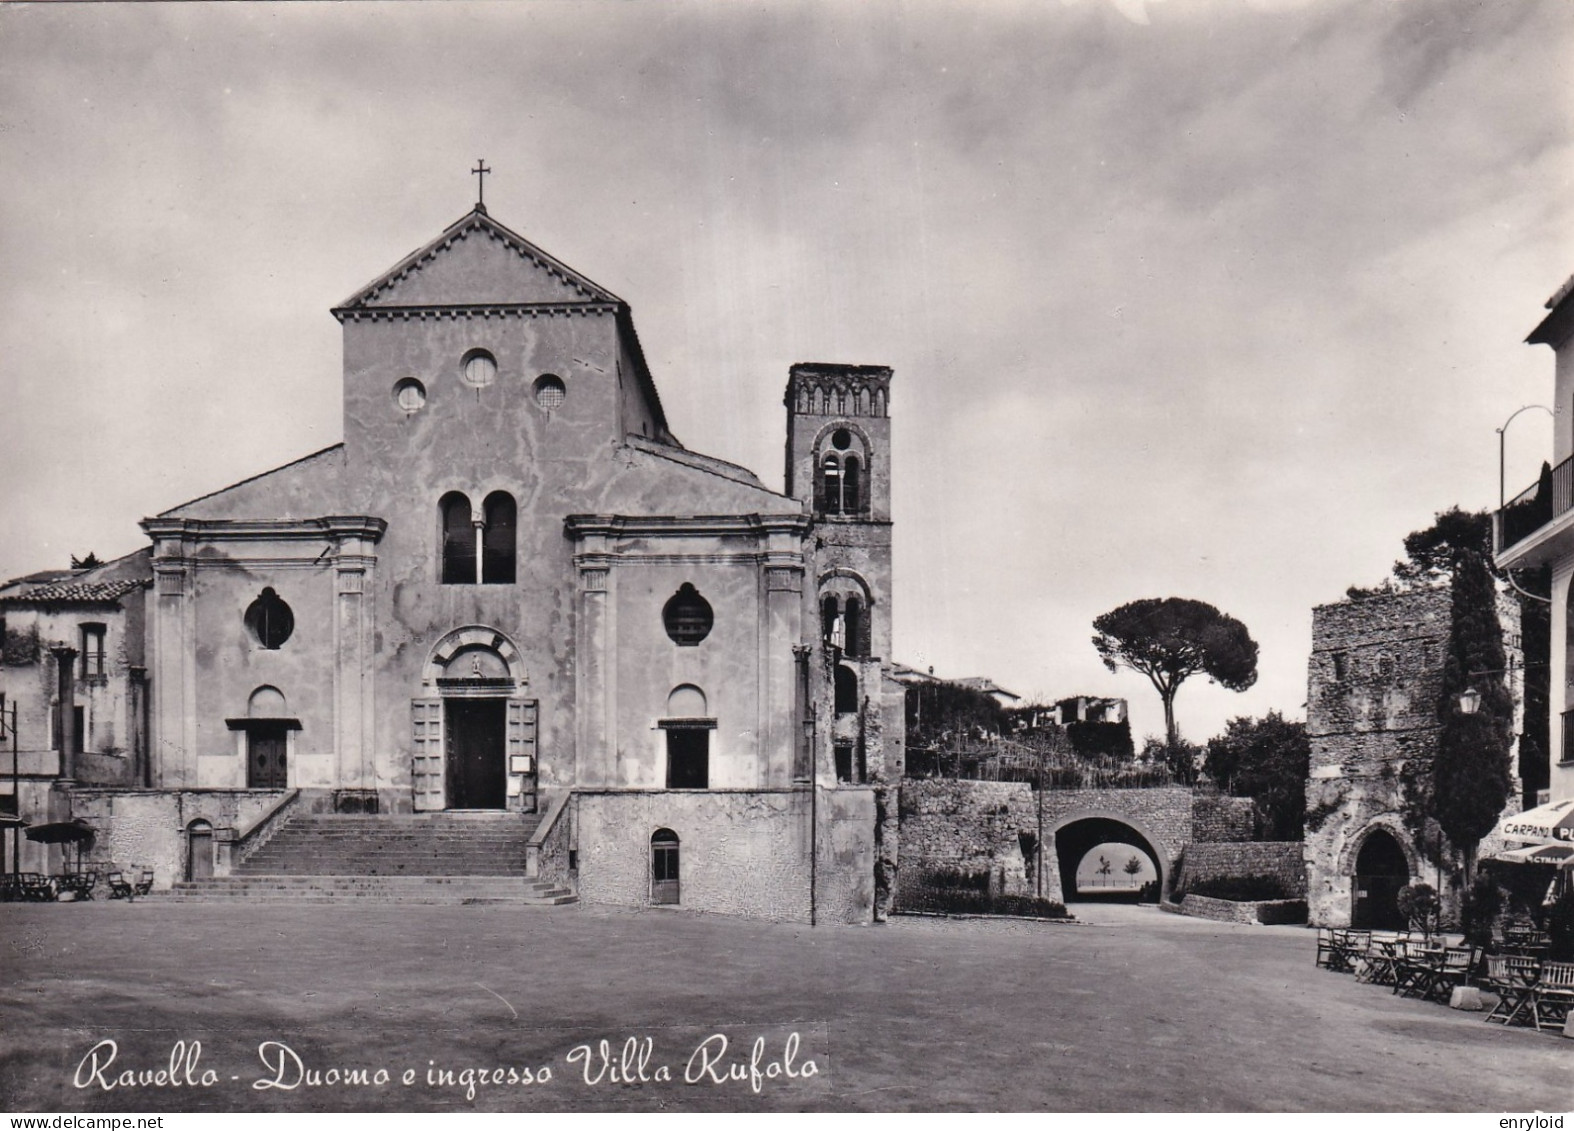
x=477, y=769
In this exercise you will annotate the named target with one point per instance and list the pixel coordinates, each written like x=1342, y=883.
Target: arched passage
x=1381, y=871
x=1078, y=836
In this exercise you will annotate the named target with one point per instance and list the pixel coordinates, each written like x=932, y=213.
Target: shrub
x=1419, y=904
x=967, y=893
x=1559, y=924
x=1479, y=908
x=1242, y=889
x=1283, y=911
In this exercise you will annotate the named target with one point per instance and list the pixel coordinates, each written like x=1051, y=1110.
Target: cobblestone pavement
x=1127, y=1009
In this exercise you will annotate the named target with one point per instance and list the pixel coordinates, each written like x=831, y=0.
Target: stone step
x=371, y=889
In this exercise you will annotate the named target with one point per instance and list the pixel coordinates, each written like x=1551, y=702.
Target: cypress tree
x=1471, y=778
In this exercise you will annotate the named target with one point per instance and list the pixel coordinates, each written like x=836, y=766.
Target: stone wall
x=974, y=826
x=1222, y=818
x=741, y=852
x=1373, y=683
x=1230, y=911
x=147, y=828
x=1280, y=859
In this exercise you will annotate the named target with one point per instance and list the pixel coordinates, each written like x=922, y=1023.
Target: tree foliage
x=1265, y=759
x=1433, y=554
x=1171, y=639
x=1180, y=758
x=944, y=716
x=1471, y=778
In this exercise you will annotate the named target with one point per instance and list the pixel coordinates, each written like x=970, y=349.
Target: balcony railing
x=1535, y=507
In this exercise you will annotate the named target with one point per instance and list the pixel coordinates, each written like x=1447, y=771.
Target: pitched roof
x=74, y=593
x=477, y=262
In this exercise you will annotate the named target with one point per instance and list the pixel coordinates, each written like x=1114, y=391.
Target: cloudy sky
x=1215, y=300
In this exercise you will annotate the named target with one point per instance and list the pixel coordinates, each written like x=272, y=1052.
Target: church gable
x=478, y=262
x=307, y=488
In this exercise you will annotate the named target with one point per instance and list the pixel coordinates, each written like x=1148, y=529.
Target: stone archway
x=1073, y=836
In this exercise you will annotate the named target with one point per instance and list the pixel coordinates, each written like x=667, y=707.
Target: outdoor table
x=78, y=884
x=1382, y=952
x=1416, y=967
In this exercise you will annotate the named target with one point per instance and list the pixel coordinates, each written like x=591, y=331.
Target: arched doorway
x=1078, y=838
x=199, y=850
x=1381, y=871
x=474, y=740
x=664, y=866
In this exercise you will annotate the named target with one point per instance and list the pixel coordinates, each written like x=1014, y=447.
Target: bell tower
x=839, y=461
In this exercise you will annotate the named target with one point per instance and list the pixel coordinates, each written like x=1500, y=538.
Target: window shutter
x=426, y=772
x=522, y=740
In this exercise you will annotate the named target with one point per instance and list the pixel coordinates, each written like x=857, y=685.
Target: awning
x=1560, y=854
x=1552, y=823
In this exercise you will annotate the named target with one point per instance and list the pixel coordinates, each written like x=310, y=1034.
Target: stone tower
x=839, y=462
x=1373, y=683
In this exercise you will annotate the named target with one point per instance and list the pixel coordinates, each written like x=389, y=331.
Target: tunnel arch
x=1079, y=833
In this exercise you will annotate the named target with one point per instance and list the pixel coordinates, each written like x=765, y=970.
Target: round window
x=480, y=368
x=549, y=391
x=270, y=619
x=841, y=439
x=687, y=616
x=409, y=394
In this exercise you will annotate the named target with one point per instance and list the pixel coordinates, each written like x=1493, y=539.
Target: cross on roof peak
x=479, y=172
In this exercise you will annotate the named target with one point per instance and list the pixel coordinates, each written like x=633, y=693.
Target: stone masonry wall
x=1373, y=682
x=147, y=828
x=1220, y=818
x=741, y=852
x=1281, y=859
x=980, y=826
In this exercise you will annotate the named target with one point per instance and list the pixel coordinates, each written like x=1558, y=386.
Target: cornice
x=579, y=526
x=365, y=527
x=470, y=311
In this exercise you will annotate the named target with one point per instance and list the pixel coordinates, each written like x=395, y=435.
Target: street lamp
x=1501, y=494
x=1469, y=701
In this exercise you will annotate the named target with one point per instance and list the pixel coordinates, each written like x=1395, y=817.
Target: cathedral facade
x=509, y=592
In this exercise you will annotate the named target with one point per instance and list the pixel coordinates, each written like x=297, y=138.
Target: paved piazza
x=458, y=1008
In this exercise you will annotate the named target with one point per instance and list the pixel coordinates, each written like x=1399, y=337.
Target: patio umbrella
x=1561, y=855
x=1552, y=823
x=77, y=832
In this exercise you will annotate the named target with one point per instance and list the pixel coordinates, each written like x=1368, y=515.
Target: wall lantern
x=1469, y=700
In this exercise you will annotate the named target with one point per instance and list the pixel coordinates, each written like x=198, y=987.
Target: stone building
x=509, y=591
x=1373, y=683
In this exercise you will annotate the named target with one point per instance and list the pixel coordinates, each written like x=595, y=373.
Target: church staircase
x=451, y=857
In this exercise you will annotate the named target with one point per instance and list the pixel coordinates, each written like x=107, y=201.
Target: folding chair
x=1327, y=948
x=1459, y=962
x=1552, y=994
x=1510, y=976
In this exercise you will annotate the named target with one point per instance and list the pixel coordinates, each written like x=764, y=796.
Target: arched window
x=831, y=490
x=828, y=618
x=853, y=629
x=850, y=486
x=687, y=616
x=458, y=540
x=664, y=866
x=270, y=620
x=846, y=690
x=497, y=544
